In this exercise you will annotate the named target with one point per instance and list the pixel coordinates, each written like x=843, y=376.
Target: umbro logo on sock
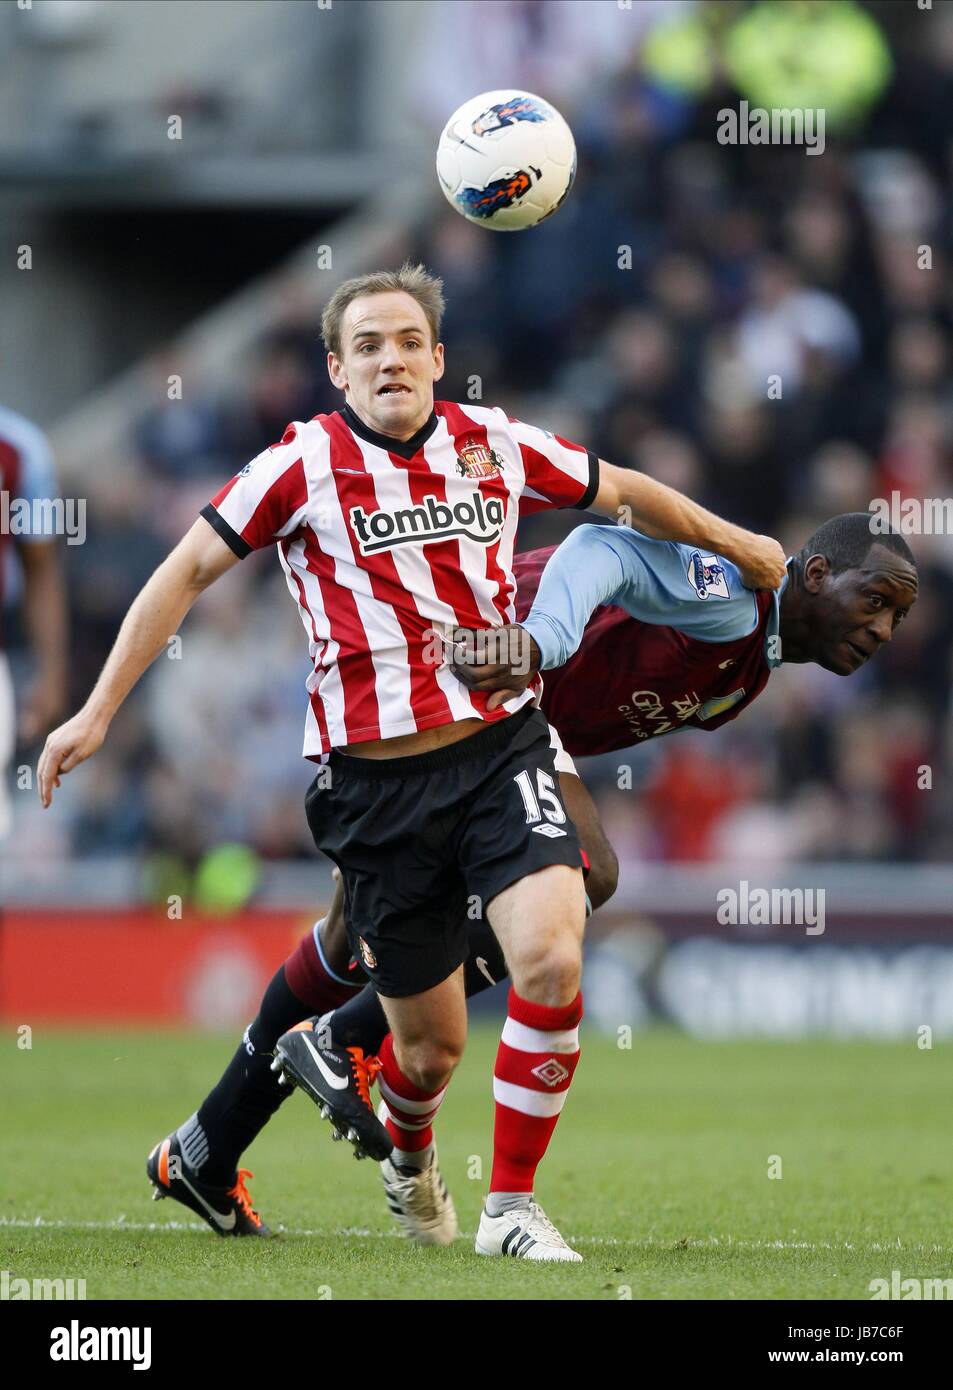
x=550, y=1072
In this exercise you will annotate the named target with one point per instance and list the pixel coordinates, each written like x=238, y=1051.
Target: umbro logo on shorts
x=479, y=519
x=551, y=831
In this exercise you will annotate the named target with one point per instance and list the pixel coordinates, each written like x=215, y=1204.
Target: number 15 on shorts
x=541, y=800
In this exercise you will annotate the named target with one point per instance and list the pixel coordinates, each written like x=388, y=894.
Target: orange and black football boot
x=228, y=1210
x=338, y=1080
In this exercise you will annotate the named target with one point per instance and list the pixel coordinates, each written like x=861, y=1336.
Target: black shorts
x=424, y=843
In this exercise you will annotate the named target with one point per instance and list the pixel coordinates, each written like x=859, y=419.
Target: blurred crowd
x=765, y=330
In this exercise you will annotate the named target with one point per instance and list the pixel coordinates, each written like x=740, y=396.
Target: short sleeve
x=558, y=473
x=654, y=581
x=37, y=483
x=678, y=586
x=265, y=501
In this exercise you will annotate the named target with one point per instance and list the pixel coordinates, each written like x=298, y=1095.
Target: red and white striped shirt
x=385, y=543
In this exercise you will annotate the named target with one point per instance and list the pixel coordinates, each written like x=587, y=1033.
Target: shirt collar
x=405, y=448
x=774, y=624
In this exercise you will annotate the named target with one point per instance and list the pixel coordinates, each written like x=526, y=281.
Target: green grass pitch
x=658, y=1172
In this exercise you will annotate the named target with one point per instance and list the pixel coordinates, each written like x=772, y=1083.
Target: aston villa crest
x=478, y=460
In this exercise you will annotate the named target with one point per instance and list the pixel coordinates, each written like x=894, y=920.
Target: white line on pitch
x=695, y=1243
x=44, y=1223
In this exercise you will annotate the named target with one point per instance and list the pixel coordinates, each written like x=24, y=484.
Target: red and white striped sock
x=410, y=1111
x=534, y=1067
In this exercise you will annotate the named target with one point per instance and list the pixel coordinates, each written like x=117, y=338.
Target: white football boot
x=420, y=1202
x=527, y=1233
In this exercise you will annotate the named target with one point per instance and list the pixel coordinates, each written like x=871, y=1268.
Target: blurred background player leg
x=7, y=727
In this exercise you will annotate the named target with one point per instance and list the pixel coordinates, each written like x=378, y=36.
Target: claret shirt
x=28, y=490
x=641, y=637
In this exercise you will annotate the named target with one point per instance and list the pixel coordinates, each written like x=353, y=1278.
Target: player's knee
x=551, y=977
x=429, y=1063
x=603, y=878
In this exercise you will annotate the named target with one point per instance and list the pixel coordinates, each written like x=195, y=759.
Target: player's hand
x=503, y=660
x=761, y=562
x=68, y=746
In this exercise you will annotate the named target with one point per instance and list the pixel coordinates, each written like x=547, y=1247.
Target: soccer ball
x=506, y=160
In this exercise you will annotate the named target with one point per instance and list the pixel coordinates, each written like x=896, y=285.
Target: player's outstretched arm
x=154, y=616
x=663, y=513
